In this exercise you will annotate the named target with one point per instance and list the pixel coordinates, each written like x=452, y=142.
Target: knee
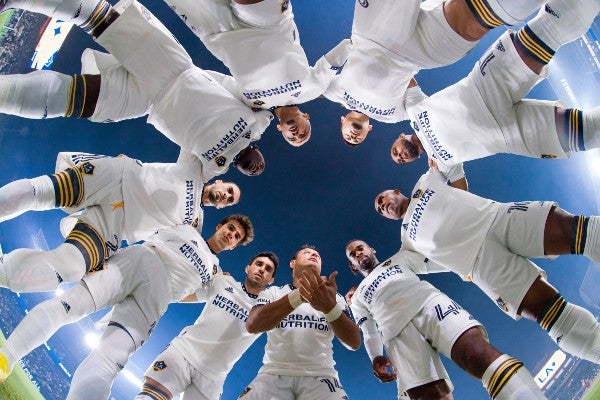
x=437, y=390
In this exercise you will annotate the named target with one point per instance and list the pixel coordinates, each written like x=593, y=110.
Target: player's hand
x=381, y=369
x=318, y=291
x=349, y=295
x=432, y=163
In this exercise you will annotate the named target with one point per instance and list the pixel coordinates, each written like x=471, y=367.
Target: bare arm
x=266, y=317
x=461, y=184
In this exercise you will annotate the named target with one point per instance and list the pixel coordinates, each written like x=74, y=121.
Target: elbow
x=251, y=327
x=355, y=345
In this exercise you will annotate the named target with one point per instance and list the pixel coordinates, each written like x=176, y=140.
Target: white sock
x=36, y=95
x=97, y=372
x=507, y=379
x=76, y=11
x=24, y=195
x=45, y=319
x=29, y=270
x=577, y=332
x=562, y=21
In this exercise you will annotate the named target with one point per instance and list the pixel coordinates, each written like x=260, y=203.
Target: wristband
x=334, y=314
x=294, y=298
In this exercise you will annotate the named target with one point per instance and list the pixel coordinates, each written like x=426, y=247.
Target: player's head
x=404, y=149
x=391, y=204
x=307, y=257
x=232, y=231
x=361, y=257
x=220, y=194
x=294, y=125
x=250, y=161
x=355, y=128
x=261, y=270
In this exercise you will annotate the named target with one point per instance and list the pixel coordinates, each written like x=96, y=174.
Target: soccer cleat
x=4, y=369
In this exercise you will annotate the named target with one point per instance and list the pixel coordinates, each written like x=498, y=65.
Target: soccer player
x=139, y=282
x=298, y=361
x=147, y=73
x=414, y=321
x=197, y=361
x=259, y=42
x=484, y=114
x=490, y=243
x=392, y=40
x=120, y=198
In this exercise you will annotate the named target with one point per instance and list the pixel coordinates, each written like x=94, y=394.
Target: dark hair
x=246, y=224
x=304, y=246
x=271, y=256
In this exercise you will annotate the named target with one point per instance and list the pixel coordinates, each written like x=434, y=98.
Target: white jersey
x=260, y=45
x=202, y=117
x=155, y=195
x=219, y=337
x=445, y=224
x=373, y=82
x=392, y=294
x=187, y=257
x=301, y=344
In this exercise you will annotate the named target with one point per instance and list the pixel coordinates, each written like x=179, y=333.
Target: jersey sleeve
x=368, y=327
x=265, y=297
x=413, y=95
x=331, y=64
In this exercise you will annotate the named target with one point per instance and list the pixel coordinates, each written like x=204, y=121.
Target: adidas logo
x=66, y=306
x=296, y=94
x=551, y=11
x=195, y=243
x=229, y=289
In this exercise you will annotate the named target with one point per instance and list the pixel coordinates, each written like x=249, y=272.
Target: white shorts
x=414, y=352
x=134, y=282
x=417, y=33
x=145, y=48
x=503, y=270
x=174, y=372
x=280, y=387
x=503, y=80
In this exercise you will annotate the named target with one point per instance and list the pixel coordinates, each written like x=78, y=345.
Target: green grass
x=18, y=386
x=594, y=392
x=5, y=16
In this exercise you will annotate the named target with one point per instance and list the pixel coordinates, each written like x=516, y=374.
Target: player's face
x=391, y=204
x=355, y=127
x=294, y=126
x=260, y=272
x=361, y=255
x=306, y=259
x=229, y=235
x=222, y=194
x=403, y=150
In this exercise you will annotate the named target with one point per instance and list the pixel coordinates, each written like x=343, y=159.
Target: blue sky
x=321, y=193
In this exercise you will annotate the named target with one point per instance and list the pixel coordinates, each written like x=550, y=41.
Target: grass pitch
x=18, y=386
x=594, y=392
x=4, y=17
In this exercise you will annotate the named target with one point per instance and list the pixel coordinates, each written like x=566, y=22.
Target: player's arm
x=461, y=184
x=328, y=66
x=265, y=315
x=373, y=345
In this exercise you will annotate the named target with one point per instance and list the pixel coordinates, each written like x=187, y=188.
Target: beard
x=368, y=263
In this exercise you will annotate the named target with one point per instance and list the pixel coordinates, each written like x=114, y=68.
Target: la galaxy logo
x=548, y=156
x=501, y=304
x=418, y=193
x=87, y=168
x=258, y=103
x=245, y=392
x=220, y=161
x=215, y=269
x=159, y=365
x=364, y=3
x=285, y=4
x=387, y=263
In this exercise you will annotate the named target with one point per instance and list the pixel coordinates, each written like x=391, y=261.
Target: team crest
x=364, y=3
x=387, y=263
x=258, y=103
x=285, y=4
x=215, y=269
x=87, y=168
x=221, y=161
x=296, y=94
x=548, y=156
x=418, y=193
x=501, y=304
x=500, y=46
x=245, y=392
x=159, y=365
